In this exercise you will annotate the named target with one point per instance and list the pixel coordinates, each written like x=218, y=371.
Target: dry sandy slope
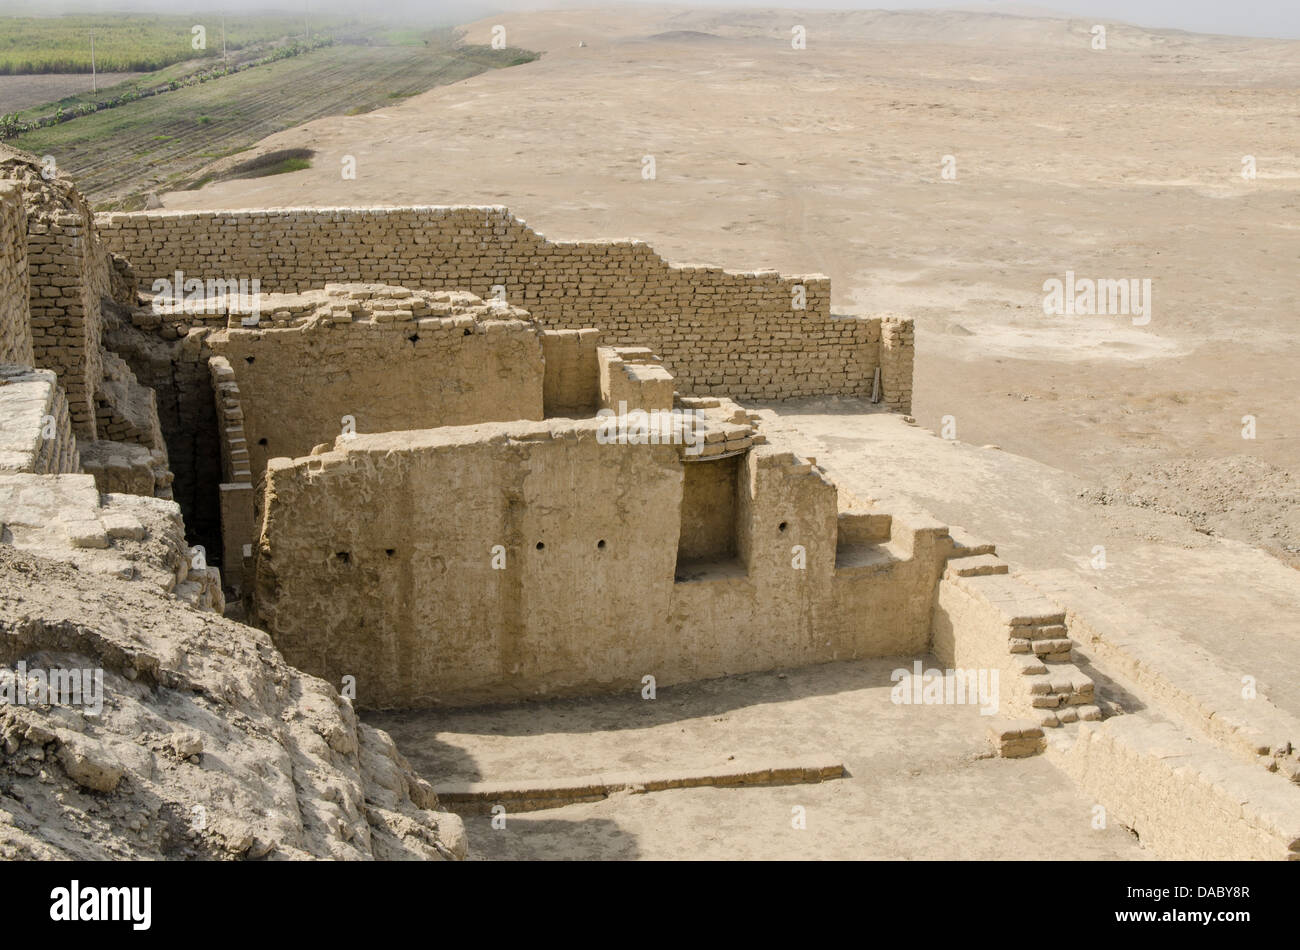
x=1123, y=163
x=207, y=746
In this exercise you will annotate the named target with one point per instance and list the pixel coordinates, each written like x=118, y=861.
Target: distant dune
x=685, y=36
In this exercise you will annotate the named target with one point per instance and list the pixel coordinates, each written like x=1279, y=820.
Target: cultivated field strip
x=165, y=141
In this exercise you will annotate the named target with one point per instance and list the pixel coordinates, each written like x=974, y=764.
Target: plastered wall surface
x=1187, y=799
x=572, y=384
x=296, y=386
x=380, y=560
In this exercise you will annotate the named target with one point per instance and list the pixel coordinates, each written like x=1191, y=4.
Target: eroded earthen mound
x=208, y=744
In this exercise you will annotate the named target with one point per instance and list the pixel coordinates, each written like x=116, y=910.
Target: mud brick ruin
x=458, y=463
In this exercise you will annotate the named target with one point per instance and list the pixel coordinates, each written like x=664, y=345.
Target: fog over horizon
x=1277, y=19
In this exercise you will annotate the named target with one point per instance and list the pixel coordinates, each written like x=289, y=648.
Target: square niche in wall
x=706, y=547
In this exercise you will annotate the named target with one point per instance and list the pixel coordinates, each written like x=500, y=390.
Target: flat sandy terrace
x=921, y=784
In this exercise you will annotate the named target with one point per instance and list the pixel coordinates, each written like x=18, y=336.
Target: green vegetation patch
x=273, y=163
x=116, y=155
x=134, y=43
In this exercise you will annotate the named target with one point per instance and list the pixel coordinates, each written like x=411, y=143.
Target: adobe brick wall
x=1187, y=799
x=69, y=274
x=719, y=332
x=571, y=386
x=15, y=330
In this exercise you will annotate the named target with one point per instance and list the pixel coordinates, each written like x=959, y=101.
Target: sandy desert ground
x=918, y=787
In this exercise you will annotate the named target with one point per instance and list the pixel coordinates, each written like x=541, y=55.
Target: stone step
x=977, y=565
x=965, y=544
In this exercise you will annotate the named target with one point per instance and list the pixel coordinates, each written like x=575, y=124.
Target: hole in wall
x=601, y=544
x=249, y=360
x=261, y=441
x=344, y=556
x=390, y=551
x=540, y=545
x=707, y=543
x=468, y=332
x=782, y=526
x=414, y=338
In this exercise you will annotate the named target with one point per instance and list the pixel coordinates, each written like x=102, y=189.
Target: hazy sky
x=1276, y=18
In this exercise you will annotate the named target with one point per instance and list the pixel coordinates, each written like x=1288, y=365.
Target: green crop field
x=165, y=141
x=126, y=42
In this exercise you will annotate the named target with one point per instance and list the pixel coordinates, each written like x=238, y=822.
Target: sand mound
x=1236, y=497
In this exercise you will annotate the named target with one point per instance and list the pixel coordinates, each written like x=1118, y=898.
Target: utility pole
x=94, y=80
x=223, y=36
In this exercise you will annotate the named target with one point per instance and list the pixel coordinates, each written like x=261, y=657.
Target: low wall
x=35, y=432
x=745, y=335
x=1187, y=800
